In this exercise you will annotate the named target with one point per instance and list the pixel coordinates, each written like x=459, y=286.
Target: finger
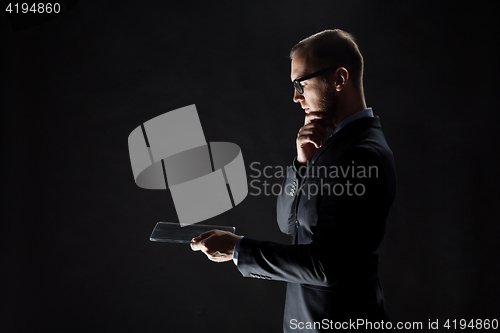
x=321, y=122
x=195, y=246
x=323, y=118
x=213, y=256
x=314, y=115
x=316, y=126
x=309, y=139
x=200, y=245
x=311, y=135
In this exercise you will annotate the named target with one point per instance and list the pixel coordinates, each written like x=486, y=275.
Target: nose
x=297, y=97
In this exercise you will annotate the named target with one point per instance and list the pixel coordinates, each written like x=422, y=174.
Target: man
x=335, y=198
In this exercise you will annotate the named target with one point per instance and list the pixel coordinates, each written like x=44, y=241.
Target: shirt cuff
x=236, y=250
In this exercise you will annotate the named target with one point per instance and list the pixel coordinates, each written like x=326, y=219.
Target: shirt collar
x=360, y=114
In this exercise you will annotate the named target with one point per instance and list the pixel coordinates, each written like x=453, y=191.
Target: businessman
x=334, y=202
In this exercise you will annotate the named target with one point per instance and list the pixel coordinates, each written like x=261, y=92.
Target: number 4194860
x=479, y=324
x=36, y=8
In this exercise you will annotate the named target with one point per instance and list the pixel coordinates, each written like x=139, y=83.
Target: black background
x=75, y=254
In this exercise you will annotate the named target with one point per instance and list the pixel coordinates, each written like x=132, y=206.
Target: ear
x=341, y=76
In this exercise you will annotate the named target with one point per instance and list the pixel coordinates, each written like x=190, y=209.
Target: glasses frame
x=296, y=82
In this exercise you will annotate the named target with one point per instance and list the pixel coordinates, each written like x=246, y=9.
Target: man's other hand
x=216, y=244
x=311, y=136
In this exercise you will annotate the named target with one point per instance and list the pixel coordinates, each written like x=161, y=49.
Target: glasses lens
x=297, y=86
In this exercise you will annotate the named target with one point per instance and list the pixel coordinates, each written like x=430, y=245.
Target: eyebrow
x=297, y=77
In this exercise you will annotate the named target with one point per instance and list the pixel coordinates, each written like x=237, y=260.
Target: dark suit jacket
x=337, y=218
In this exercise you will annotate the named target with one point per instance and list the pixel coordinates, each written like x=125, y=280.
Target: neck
x=347, y=107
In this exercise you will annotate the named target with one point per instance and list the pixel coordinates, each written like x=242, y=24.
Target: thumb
x=204, y=235
x=201, y=237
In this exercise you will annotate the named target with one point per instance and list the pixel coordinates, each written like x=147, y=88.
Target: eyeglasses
x=296, y=82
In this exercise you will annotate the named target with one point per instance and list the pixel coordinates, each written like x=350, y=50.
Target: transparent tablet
x=174, y=233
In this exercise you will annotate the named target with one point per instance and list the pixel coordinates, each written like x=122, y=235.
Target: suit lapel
x=343, y=135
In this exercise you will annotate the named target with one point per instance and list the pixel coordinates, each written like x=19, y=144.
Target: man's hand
x=311, y=136
x=216, y=244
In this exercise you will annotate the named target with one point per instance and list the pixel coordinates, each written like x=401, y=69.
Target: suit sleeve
x=285, y=207
x=348, y=231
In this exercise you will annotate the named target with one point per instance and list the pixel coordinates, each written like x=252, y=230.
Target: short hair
x=336, y=48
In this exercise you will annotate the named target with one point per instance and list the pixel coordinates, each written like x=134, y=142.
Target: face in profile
x=317, y=95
